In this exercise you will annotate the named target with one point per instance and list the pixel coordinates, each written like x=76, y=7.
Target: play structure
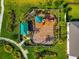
x=39, y=26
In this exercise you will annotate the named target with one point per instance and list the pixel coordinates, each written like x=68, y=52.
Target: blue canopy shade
x=24, y=28
x=38, y=19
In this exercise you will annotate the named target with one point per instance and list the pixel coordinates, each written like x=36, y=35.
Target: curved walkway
x=9, y=40
x=2, y=13
x=24, y=52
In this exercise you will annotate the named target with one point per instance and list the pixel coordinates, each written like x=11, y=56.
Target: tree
x=58, y=4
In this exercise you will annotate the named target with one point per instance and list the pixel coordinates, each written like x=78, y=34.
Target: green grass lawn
x=9, y=51
x=74, y=11
x=71, y=0
x=21, y=8
x=60, y=48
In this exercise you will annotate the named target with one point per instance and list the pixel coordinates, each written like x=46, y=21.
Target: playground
x=39, y=27
x=20, y=15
